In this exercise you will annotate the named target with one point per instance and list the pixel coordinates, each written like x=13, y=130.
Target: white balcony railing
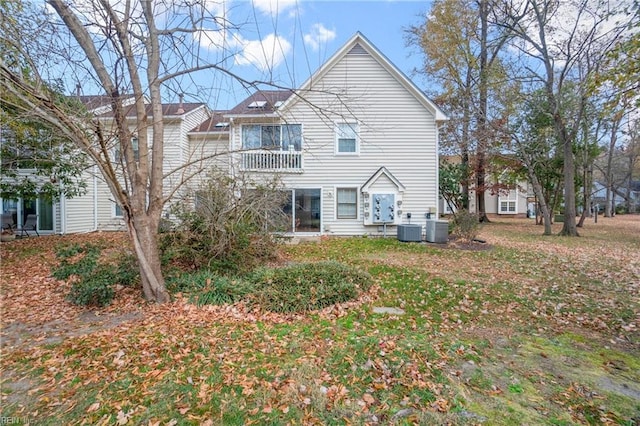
x=265, y=160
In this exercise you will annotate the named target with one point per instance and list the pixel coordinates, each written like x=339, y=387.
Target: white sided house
x=356, y=148
x=356, y=145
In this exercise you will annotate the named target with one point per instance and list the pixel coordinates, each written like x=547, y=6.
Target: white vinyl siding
x=395, y=131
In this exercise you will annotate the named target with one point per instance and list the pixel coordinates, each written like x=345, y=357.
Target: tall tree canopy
x=462, y=53
x=136, y=53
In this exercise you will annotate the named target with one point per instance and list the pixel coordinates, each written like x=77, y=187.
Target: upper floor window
x=117, y=210
x=347, y=138
x=287, y=137
x=136, y=150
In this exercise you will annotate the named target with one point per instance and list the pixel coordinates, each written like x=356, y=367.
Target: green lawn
x=530, y=330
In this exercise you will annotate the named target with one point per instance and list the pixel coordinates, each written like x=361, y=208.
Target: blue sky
x=284, y=41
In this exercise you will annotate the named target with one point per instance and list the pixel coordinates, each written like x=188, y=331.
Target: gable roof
x=168, y=110
x=382, y=171
x=358, y=44
x=100, y=105
x=261, y=103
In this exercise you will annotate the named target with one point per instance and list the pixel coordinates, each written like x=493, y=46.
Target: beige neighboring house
x=502, y=198
x=356, y=147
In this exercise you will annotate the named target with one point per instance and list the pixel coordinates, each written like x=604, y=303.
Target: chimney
x=180, y=106
x=78, y=88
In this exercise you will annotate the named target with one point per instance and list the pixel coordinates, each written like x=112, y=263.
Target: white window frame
x=117, y=153
x=505, y=203
x=114, y=211
x=281, y=133
x=339, y=132
x=356, y=190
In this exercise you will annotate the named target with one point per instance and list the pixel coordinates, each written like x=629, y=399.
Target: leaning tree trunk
x=539, y=191
x=147, y=252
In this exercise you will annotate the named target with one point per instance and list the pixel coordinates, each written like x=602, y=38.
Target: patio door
x=40, y=206
x=304, y=209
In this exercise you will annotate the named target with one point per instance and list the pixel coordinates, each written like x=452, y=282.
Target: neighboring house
x=502, y=197
x=599, y=196
x=356, y=147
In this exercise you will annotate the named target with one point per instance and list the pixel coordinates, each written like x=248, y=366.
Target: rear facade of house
x=355, y=147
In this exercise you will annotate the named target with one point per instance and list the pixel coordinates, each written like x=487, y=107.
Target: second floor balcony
x=272, y=161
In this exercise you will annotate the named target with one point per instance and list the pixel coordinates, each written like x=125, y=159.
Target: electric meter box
x=383, y=208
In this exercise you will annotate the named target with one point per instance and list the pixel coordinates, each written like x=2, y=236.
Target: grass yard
x=525, y=330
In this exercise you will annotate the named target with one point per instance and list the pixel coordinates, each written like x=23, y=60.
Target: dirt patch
x=19, y=335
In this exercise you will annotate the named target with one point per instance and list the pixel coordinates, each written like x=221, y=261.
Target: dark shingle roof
x=96, y=101
x=212, y=124
x=167, y=109
x=261, y=102
x=93, y=102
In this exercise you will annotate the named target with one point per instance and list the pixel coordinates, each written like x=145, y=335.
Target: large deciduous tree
x=462, y=48
x=562, y=44
x=133, y=52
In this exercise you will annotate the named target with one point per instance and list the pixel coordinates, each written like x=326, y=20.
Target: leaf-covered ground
x=528, y=330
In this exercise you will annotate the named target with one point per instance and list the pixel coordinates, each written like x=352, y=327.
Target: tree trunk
x=482, y=133
x=569, y=227
x=147, y=252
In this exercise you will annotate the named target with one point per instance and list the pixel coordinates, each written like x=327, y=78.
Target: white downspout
x=63, y=214
x=95, y=197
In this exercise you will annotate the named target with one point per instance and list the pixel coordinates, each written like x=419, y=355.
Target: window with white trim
x=507, y=207
x=347, y=141
x=136, y=151
x=287, y=137
x=117, y=210
x=347, y=203
x=508, y=202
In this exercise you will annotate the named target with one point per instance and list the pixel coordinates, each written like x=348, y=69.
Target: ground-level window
x=507, y=207
x=347, y=203
x=117, y=210
x=508, y=202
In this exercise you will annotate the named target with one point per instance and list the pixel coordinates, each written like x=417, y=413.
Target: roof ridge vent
x=357, y=49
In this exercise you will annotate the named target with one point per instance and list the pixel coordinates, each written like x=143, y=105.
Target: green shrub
x=95, y=289
x=76, y=260
x=306, y=286
x=466, y=226
x=221, y=290
x=93, y=282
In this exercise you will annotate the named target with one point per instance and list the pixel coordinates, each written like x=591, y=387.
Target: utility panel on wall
x=383, y=208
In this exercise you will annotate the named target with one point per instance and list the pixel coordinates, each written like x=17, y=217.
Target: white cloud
x=265, y=54
x=318, y=35
x=274, y=7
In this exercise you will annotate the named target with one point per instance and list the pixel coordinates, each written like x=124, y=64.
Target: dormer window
x=257, y=104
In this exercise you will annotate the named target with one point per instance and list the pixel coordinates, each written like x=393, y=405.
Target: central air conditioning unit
x=410, y=233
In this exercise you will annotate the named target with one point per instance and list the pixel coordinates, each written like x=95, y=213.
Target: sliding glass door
x=20, y=208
